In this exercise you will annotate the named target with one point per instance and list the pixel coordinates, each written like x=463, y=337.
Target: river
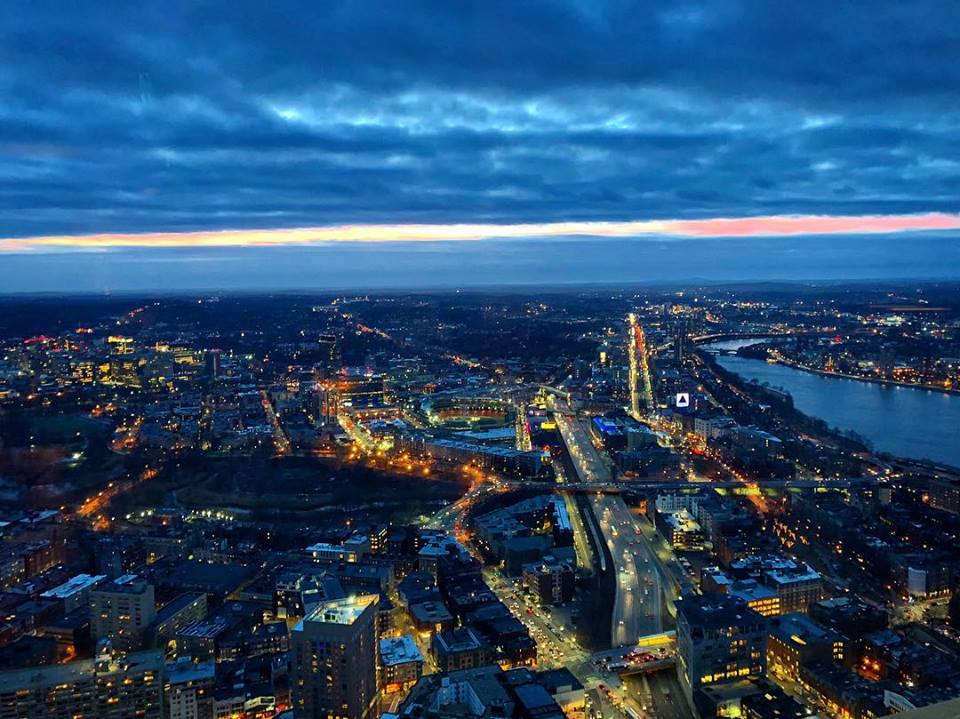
x=903, y=421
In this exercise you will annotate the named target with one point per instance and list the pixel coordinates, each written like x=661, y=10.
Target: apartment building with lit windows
x=335, y=660
x=121, y=610
x=719, y=639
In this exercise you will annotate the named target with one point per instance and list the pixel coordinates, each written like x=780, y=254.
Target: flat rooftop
x=800, y=629
x=791, y=576
x=458, y=640
x=72, y=586
x=751, y=591
x=716, y=610
x=181, y=672
x=340, y=611
x=399, y=650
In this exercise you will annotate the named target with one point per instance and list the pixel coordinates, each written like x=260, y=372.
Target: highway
x=637, y=603
x=636, y=607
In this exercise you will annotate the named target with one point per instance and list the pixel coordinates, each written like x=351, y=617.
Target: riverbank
x=780, y=359
x=911, y=422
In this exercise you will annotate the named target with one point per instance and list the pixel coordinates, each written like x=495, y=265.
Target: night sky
x=386, y=127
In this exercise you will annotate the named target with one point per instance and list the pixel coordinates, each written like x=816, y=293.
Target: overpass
x=648, y=667
x=650, y=654
x=667, y=640
x=759, y=335
x=549, y=392
x=612, y=487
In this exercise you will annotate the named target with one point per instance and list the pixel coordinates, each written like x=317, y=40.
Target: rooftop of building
x=399, y=650
x=682, y=521
x=458, y=640
x=717, y=576
x=715, y=610
x=127, y=584
x=559, y=680
x=750, y=590
x=443, y=546
x=533, y=542
x=773, y=705
x=343, y=611
x=535, y=699
x=75, y=672
x=185, y=670
x=506, y=452
x=333, y=548
x=548, y=565
x=74, y=585
x=800, y=629
x=207, y=628
x=764, y=562
x=802, y=573
x=177, y=604
x=943, y=710
x=561, y=516
x=432, y=611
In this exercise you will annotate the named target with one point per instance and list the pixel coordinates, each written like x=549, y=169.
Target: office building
x=460, y=649
x=794, y=640
x=178, y=613
x=797, y=587
x=943, y=494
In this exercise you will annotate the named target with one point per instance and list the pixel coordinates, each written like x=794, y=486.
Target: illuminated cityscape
x=583, y=505
x=480, y=360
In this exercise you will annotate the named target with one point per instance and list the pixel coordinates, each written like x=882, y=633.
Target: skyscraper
x=335, y=659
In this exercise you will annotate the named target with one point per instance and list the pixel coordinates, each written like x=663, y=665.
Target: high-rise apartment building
x=335, y=660
x=120, y=611
x=113, y=685
x=719, y=639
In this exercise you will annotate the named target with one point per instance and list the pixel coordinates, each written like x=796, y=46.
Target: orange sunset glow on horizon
x=761, y=226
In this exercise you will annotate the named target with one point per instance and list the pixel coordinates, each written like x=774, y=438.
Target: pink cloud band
x=769, y=226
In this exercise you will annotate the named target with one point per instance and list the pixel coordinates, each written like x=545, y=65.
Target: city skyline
x=678, y=501
x=485, y=359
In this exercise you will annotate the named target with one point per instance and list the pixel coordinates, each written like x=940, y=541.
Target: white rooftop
x=339, y=611
x=399, y=650
x=74, y=585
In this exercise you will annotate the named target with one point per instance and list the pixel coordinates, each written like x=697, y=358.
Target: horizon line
x=709, y=228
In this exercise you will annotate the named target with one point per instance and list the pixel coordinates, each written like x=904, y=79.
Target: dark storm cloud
x=115, y=117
